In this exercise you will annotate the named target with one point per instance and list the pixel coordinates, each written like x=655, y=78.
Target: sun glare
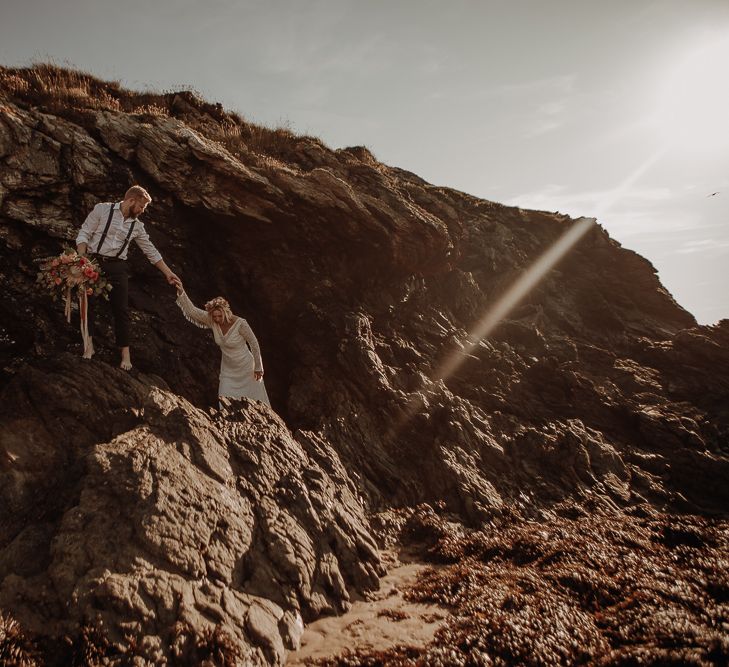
x=693, y=108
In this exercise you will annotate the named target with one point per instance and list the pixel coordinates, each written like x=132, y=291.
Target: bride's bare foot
x=126, y=360
x=89, y=349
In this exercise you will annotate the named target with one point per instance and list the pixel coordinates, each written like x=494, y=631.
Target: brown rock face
x=127, y=499
x=138, y=512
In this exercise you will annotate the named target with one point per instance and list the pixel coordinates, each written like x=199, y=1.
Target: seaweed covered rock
x=605, y=589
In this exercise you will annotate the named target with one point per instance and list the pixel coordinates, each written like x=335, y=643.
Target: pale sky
x=613, y=108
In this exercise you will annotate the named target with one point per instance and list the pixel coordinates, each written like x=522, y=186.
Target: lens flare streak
x=531, y=278
x=525, y=284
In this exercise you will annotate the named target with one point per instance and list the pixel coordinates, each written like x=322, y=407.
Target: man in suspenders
x=107, y=232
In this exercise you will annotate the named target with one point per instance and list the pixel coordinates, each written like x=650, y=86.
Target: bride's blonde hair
x=221, y=304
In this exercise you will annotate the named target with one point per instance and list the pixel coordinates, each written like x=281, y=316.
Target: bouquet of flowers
x=70, y=272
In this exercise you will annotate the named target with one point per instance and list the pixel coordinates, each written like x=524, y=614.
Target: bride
x=241, y=373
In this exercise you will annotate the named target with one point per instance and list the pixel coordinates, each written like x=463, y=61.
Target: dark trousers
x=117, y=273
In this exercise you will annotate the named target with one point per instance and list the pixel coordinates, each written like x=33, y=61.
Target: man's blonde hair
x=138, y=192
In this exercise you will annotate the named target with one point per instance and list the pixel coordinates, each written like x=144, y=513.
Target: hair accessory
x=217, y=302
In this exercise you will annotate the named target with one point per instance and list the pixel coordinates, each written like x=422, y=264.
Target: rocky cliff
x=130, y=503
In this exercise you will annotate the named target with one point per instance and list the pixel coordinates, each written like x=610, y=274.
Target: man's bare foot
x=89, y=349
x=126, y=360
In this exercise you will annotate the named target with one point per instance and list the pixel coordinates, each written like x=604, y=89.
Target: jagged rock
x=360, y=279
x=169, y=514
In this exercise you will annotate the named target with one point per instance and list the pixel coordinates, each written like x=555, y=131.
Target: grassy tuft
x=77, y=95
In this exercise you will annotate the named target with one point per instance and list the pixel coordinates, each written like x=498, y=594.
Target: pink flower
x=89, y=291
x=82, y=261
x=55, y=262
x=57, y=281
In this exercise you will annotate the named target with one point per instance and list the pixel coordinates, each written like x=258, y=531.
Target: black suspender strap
x=126, y=240
x=106, y=231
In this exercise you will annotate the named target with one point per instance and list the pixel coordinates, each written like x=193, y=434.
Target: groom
x=107, y=232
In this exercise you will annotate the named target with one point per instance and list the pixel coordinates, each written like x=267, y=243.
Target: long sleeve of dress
x=195, y=315
x=250, y=338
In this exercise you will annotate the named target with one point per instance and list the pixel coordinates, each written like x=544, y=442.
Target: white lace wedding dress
x=237, y=364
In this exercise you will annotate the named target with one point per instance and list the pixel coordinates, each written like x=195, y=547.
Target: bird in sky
x=712, y=194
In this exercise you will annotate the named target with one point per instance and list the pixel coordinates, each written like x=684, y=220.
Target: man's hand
x=167, y=272
x=175, y=280
x=258, y=375
x=81, y=248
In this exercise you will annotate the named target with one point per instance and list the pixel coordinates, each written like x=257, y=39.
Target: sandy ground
x=378, y=623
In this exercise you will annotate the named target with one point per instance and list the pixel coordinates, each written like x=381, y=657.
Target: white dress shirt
x=93, y=227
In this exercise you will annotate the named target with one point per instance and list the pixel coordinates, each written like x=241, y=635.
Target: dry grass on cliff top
x=75, y=95
x=601, y=590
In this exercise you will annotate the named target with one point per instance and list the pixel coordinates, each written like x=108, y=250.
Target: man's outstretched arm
x=172, y=279
x=154, y=256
